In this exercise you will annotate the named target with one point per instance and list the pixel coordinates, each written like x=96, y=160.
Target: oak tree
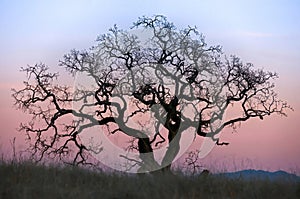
x=154, y=84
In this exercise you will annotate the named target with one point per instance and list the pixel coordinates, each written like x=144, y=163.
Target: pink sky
x=45, y=31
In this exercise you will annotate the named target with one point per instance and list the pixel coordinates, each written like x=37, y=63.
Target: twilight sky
x=264, y=32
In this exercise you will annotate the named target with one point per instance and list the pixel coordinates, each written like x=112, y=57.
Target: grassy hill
x=28, y=180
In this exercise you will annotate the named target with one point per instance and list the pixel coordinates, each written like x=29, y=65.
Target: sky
x=263, y=32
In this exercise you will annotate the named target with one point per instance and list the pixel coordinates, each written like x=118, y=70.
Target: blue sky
x=264, y=32
x=53, y=27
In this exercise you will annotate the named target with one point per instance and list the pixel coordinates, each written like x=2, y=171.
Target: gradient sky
x=266, y=33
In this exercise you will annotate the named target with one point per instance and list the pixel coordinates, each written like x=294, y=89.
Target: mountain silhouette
x=251, y=174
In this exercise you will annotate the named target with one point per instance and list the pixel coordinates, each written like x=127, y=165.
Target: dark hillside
x=27, y=180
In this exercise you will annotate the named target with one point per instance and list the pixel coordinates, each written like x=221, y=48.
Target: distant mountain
x=262, y=175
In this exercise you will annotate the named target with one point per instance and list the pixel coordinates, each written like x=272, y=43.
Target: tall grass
x=24, y=179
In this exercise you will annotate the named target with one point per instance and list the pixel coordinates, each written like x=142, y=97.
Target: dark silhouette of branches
x=192, y=162
x=173, y=80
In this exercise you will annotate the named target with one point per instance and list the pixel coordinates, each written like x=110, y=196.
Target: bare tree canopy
x=154, y=84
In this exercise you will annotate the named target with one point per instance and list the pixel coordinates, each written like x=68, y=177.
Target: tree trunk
x=146, y=155
x=172, y=124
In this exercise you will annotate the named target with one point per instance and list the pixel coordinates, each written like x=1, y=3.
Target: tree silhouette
x=154, y=84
